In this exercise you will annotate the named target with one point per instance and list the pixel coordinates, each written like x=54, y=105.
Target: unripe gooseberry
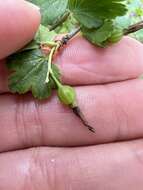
x=116, y=36
x=67, y=95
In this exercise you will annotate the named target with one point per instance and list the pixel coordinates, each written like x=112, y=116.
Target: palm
x=111, y=97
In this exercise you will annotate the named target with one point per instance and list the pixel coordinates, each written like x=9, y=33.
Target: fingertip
x=19, y=22
x=136, y=46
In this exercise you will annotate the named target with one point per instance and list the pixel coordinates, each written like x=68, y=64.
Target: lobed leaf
x=51, y=10
x=29, y=70
x=99, y=36
x=29, y=67
x=91, y=13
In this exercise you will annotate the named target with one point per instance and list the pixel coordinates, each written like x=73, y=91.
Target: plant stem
x=59, y=85
x=50, y=64
x=60, y=21
x=50, y=44
x=134, y=28
x=50, y=72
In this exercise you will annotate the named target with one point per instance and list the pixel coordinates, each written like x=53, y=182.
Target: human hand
x=110, y=96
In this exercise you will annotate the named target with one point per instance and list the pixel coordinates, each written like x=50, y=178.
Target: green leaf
x=44, y=36
x=51, y=10
x=68, y=25
x=91, y=13
x=29, y=70
x=29, y=67
x=99, y=36
x=31, y=46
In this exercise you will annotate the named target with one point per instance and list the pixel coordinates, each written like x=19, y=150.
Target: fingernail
x=33, y=6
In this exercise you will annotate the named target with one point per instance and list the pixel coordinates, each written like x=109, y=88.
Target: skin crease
x=109, y=94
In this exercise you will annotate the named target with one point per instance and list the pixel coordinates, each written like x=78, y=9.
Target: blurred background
x=134, y=15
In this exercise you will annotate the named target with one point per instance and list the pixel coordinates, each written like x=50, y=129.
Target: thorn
x=79, y=114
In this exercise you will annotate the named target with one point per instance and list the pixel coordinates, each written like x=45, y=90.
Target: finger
x=19, y=21
x=112, y=166
x=83, y=64
x=115, y=111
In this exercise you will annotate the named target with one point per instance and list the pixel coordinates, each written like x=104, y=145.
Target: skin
x=43, y=145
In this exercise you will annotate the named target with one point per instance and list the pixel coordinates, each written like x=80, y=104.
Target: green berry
x=67, y=95
x=116, y=36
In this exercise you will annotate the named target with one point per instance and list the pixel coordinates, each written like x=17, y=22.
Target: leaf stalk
x=50, y=64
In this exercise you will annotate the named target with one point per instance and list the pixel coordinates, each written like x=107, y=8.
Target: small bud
x=67, y=95
x=116, y=36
